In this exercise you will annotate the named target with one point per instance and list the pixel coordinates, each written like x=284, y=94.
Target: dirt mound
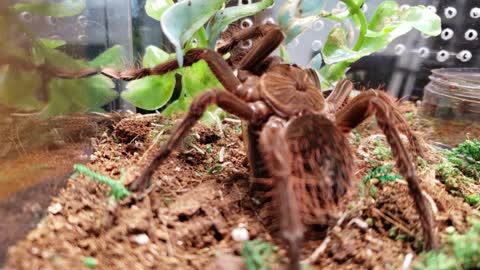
x=201, y=194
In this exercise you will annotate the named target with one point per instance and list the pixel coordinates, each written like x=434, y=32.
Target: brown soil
x=185, y=219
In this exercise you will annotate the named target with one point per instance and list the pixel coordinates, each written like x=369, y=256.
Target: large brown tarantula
x=296, y=139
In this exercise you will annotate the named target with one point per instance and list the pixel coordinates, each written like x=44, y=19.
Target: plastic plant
x=387, y=23
x=382, y=173
x=462, y=251
x=119, y=191
x=258, y=254
x=24, y=68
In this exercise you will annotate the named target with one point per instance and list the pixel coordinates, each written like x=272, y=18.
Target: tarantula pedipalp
x=295, y=137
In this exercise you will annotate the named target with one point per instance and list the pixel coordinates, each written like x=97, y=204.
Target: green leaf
x=182, y=20
x=81, y=95
x=295, y=26
x=180, y=105
x=316, y=62
x=156, y=8
x=18, y=89
x=65, y=8
x=336, y=48
x=154, y=56
x=198, y=78
x=150, y=93
x=225, y=17
x=109, y=58
x=51, y=43
x=386, y=13
x=422, y=19
x=311, y=7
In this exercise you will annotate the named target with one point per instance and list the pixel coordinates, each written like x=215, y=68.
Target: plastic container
x=453, y=93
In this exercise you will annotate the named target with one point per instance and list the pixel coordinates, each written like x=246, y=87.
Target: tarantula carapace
x=296, y=139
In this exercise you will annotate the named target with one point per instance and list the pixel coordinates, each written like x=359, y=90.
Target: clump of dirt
x=185, y=219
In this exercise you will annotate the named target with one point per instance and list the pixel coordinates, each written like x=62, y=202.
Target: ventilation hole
x=55, y=37
x=316, y=45
x=51, y=20
x=464, y=56
x=442, y=56
x=364, y=8
x=432, y=8
x=246, y=23
x=26, y=17
x=399, y=49
x=244, y=2
x=318, y=25
x=246, y=44
x=194, y=42
x=475, y=13
x=471, y=34
x=404, y=7
x=450, y=12
x=341, y=5
x=423, y=52
x=82, y=20
x=447, y=34
x=268, y=20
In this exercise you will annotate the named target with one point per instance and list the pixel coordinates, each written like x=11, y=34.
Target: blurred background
x=36, y=156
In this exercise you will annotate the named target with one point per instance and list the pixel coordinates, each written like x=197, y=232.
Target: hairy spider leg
x=223, y=99
x=372, y=103
x=270, y=37
x=278, y=162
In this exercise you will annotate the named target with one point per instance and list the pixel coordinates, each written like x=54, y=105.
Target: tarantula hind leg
x=278, y=161
x=223, y=99
x=367, y=104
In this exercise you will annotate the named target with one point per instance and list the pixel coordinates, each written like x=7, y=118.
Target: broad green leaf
x=182, y=20
x=109, y=58
x=65, y=8
x=198, y=40
x=18, y=89
x=386, y=13
x=75, y=95
x=311, y=7
x=422, y=19
x=291, y=23
x=335, y=49
x=178, y=106
x=52, y=43
x=80, y=95
x=198, y=78
x=228, y=15
x=150, y=93
x=316, y=62
x=156, y=8
x=154, y=56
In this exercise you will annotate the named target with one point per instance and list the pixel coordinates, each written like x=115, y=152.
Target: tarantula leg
x=384, y=112
x=271, y=36
x=223, y=99
x=340, y=94
x=360, y=109
x=278, y=159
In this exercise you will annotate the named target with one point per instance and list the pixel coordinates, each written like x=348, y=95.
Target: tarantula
x=296, y=139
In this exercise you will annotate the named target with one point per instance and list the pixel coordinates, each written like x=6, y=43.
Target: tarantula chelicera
x=296, y=138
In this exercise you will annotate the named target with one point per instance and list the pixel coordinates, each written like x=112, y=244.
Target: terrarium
x=216, y=134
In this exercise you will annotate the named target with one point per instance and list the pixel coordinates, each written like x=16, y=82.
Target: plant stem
x=118, y=189
x=356, y=11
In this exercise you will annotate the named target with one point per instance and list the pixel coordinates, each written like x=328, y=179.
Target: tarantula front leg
x=340, y=94
x=360, y=109
x=223, y=99
x=271, y=36
x=278, y=161
x=367, y=104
